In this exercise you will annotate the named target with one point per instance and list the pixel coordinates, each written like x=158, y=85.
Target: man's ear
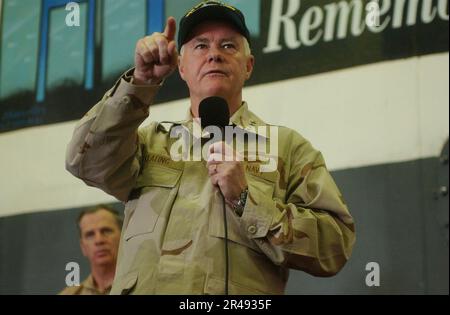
x=181, y=68
x=250, y=65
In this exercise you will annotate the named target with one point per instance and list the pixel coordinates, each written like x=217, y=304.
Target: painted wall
x=375, y=114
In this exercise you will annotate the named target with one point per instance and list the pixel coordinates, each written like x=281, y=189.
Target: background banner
x=52, y=71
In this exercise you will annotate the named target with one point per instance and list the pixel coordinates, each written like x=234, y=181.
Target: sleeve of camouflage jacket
x=312, y=229
x=108, y=130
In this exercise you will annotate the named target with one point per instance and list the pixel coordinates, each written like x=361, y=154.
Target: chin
x=104, y=261
x=216, y=90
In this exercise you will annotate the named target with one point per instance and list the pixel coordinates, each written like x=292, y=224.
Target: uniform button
x=252, y=229
x=126, y=99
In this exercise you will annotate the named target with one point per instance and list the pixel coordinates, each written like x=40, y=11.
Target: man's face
x=214, y=61
x=100, y=236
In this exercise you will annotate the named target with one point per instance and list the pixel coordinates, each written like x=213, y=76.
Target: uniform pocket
x=235, y=233
x=158, y=188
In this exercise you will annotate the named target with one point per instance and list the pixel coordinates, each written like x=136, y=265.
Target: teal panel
x=67, y=47
x=19, y=43
x=251, y=10
x=124, y=23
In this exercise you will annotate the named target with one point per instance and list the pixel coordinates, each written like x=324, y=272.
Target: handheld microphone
x=214, y=111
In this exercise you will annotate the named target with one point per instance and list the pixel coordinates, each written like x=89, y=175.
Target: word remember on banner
x=339, y=20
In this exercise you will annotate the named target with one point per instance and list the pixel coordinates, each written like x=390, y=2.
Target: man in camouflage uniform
x=173, y=238
x=99, y=228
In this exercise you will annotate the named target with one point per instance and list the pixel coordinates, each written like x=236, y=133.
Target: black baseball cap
x=211, y=10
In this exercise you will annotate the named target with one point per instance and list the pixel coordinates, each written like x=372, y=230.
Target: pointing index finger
x=171, y=28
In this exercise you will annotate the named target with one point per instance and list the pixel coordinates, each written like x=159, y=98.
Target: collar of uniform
x=242, y=118
x=90, y=284
x=245, y=119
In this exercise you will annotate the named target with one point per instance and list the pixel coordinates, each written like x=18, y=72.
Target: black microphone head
x=214, y=111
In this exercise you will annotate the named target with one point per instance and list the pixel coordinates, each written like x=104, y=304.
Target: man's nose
x=215, y=55
x=99, y=238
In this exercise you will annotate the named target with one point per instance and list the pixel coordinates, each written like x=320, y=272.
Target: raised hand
x=156, y=56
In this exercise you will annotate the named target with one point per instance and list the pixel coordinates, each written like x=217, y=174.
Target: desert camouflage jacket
x=173, y=236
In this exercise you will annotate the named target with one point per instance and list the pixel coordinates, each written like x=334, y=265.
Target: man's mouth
x=216, y=72
x=102, y=252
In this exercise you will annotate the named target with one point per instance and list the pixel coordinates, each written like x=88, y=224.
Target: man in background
x=100, y=229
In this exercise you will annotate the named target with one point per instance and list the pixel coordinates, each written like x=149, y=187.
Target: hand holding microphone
x=228, y=176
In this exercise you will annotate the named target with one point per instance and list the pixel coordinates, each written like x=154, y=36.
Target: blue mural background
x=50, y=72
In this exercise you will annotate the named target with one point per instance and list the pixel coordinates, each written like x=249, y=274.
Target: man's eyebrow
x=230, y=39
x=201, y=40
x=88, y=232
x=206, y=40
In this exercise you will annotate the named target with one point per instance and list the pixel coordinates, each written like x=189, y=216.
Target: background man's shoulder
x=70, y=291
